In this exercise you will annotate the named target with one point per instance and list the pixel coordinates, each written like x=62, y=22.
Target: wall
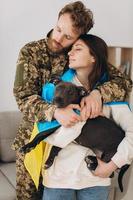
x=27, y=20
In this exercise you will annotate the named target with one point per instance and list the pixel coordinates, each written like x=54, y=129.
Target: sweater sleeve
x=124, y=117
x=28, y=85
x=63, y=136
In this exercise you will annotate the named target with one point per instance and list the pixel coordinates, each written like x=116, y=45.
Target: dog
x=99, y=134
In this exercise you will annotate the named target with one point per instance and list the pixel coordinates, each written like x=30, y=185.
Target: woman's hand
x=66, y=116
x=91, y=106
x=104, y=170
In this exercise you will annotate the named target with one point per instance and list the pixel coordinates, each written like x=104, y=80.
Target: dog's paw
x=91, y=162
x=48, y=163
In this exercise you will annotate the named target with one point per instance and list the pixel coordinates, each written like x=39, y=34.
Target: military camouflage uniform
x=36, y=64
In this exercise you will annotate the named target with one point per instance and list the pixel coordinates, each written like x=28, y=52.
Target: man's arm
x=116, y=89
x=28, y=85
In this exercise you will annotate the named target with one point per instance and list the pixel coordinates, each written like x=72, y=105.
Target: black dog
x=99, y=134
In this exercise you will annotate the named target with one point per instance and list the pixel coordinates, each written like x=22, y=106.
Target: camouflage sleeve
x=117, y=88
x=27, y=88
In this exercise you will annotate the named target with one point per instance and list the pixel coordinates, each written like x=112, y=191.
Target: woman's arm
x=124, y=117
x=124, y=155
x=63, y=136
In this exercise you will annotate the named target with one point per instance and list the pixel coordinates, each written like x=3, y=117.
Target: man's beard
x=56, y=47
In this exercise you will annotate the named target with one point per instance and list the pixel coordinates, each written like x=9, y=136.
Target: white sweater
x=69, y=169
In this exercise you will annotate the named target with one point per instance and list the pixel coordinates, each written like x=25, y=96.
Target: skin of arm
x=66, y=116
x=104, y=170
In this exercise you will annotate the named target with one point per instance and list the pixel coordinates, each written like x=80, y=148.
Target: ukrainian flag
x=33, y=159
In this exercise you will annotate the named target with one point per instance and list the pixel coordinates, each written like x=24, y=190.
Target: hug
x=88, y=58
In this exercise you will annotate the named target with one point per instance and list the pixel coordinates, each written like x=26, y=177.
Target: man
x=37, y=63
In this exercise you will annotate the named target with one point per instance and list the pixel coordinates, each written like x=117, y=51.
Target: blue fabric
x=68, y=75
x=117, y=103
x=48, y=94
x=49, y=88
x=44, y=126
x=91, y=193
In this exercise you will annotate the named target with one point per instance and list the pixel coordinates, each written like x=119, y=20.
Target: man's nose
x=60, y=38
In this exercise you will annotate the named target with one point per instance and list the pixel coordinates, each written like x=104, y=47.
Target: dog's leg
x=91, y=162
x=53, y=153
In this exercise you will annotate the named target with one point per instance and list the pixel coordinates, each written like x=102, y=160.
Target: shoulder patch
x=19, y=75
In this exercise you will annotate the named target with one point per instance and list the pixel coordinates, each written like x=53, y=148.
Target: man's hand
x=104, y=170
x=91, y=106
x=66, y=116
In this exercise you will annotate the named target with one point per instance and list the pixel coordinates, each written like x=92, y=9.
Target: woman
x=69, y=175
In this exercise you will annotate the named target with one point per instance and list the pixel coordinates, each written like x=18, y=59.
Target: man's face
x=63, y=35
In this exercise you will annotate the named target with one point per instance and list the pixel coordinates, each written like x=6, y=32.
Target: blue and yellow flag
x=33, y=160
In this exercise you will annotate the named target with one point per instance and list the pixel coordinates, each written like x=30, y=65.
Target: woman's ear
x=93, y=59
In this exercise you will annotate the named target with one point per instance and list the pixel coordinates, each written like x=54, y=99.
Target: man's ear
x=82, y=91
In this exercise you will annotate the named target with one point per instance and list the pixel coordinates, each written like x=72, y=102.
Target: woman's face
x=80, y=57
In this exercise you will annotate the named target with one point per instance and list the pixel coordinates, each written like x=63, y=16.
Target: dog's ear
x=55, y=80
x=82, y=91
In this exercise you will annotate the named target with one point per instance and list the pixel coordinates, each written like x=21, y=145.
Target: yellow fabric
x=33, y=159
x=46, y=151
x=46, y=154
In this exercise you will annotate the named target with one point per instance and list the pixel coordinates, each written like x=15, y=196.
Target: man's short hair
x=81, y=16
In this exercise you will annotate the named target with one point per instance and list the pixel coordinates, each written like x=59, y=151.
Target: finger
x=75, y=118
x=94, y=110
x=72, y=123
x=83, y=114
x=69, y=124
x=82, y=103
x=88, y=111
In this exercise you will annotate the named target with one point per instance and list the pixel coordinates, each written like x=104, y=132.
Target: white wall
x=27, y=20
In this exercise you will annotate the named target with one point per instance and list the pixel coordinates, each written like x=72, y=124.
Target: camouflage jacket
x=36, y=64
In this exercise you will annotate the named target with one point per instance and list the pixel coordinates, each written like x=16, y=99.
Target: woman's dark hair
x=98, y=48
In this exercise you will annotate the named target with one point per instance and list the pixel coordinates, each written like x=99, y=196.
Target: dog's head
x=68, y=93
